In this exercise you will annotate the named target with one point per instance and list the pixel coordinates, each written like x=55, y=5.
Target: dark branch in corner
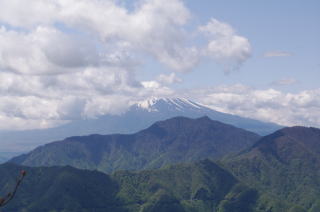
x=10, y=195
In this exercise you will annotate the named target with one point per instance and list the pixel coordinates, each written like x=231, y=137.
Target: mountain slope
x=171, y=141
x=139, y=116
x=2, y=159
x=286, y=164
x=198, y=187
x=5, y=156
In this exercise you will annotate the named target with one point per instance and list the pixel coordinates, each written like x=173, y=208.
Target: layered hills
x=275, y=173
x=171, y=141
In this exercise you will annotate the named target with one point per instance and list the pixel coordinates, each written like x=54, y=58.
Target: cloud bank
x=271, y=105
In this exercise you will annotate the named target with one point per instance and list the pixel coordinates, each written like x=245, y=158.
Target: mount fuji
x=139, y=116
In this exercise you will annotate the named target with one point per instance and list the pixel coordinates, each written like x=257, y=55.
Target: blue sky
x=68, y=60
x=283, y=26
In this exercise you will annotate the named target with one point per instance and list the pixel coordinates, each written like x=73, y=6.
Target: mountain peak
x=181, y=121
x=298, y=130
x=178, y=139
x=148, y=103
x=297, y=133
x=290, y=142
x=204, y=118
x=155, y=103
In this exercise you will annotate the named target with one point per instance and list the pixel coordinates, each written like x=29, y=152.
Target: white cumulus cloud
x=225, y=46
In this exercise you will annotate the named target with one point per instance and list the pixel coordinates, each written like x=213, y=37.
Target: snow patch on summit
x=178, y=103
x=147, y=104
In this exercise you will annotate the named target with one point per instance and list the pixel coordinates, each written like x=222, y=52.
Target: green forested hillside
x=59, y=189
x=198, y=187
x=285, y=164
x=202, y=186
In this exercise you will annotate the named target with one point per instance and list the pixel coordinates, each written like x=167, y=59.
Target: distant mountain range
x=139, y=116
x=171, y=141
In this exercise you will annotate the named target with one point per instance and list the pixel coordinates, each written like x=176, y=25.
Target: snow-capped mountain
x=170, y=107
x=139, y=116
x=180, y=104
x=168, y=104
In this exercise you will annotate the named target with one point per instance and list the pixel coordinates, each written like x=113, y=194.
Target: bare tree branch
x=10, y=195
